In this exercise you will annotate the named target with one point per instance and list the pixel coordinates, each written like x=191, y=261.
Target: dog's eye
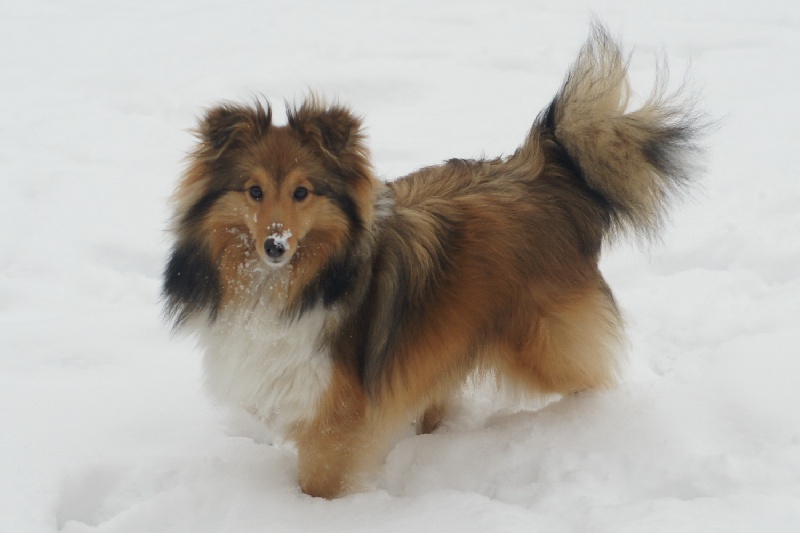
x=256, y=193
x=300, y=193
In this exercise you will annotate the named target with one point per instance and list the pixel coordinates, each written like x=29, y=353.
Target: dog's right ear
x=228, y=125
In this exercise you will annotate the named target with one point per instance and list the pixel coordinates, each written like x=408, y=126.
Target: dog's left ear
x=334, y=129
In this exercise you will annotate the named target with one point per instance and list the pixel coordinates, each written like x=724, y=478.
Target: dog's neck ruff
x=273, y=365
x=256, y=359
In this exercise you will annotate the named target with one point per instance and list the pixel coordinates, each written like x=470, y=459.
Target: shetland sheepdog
x=338, y=307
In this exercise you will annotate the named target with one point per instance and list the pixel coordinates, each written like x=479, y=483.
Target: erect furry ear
x=228, y=124
x=334, y=128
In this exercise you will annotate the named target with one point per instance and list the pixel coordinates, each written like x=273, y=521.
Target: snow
x=282, y=238
x=105, y=425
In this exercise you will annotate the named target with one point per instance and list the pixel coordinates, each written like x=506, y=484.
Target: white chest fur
x=273, y=369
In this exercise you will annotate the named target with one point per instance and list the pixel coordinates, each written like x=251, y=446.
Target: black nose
x=273, y=248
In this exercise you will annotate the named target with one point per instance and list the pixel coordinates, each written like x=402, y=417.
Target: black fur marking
x=560, y=156
x=546, y=123
x=666, y=150
x=400, y=293
x=340, y=196
x=336, y=280
x=549, y=121
x=386, y=317
x=203, y=205
x=191, y=283
x=349, y=208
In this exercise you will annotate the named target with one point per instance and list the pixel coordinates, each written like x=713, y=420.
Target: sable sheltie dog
x=339, y=307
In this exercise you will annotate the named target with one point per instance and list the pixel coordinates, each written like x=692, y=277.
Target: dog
x=338, y=307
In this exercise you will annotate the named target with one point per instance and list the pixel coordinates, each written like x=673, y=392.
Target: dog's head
x=303, y=186
x=294, y=195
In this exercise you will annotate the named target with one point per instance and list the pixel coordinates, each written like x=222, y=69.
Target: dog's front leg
x=340, y=445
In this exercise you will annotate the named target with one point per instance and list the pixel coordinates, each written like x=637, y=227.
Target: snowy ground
x=104, y=423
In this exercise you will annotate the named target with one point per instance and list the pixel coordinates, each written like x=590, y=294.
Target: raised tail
x=635, y=161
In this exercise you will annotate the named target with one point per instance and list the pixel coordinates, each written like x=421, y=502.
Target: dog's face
x=279, y=213
x=282, y=200
x=262, y=198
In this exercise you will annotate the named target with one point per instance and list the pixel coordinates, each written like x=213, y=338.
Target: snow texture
x=104, y=423
x=282, y=238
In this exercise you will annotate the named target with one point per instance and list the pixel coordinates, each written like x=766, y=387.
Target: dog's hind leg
x=570, y=346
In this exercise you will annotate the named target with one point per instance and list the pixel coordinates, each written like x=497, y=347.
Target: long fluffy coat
x=378, y=300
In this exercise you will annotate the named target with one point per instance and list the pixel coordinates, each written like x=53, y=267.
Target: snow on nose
x=277, y=244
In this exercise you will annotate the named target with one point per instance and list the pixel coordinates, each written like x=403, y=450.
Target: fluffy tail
x=634, y=161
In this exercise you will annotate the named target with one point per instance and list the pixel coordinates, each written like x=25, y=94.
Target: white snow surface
x=104, y=423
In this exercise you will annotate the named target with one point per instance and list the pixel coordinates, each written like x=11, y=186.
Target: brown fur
x=487, y=266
